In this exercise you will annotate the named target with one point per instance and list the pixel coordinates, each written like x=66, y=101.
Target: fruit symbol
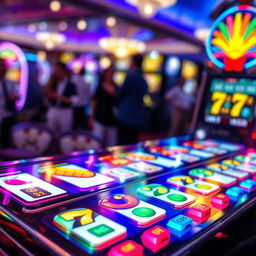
x=119, y=201
x=232, y=41
x=180, y=180
x=67, y=171
x=201, y=172
x=160, y=190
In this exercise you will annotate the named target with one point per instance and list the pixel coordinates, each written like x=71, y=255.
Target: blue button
x=180, y=223
x=235, y=193
x=248, y=185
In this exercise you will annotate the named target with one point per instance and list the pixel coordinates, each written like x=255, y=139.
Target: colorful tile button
x=122, y=174
x=228, y=171
x=213, y=177
x=156, y=238
x=138, y=211
x=235, y=193
x=215, y=150
x=231, y=162
x=114, y=160
x=246, y=168
x=162, y=161
x=220, y=201
x=200, y=153
x=200, y=213
x=30, y=189
x=127, y=248
x=200, y=187
x=173, y=197
x=180, y=223
x=248, y=185
x=145, y=168
x=90, y=228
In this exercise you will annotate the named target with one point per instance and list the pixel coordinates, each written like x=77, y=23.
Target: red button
x=126, y=248
x=200, y=213
x=220, y=201
x=156, y=238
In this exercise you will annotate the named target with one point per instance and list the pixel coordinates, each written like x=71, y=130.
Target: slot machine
x=165, y=196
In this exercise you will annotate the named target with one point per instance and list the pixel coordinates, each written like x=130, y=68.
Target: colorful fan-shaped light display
x=232, y=42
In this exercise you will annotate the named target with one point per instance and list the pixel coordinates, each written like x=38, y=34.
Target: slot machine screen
x=152, y=63
x=231, y=102
x=154, y=82
x=119, y=78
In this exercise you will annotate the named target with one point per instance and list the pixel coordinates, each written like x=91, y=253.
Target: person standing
x=8, y=97
x=181, y=102
x=81, y=101
x=103, y=119
x=131, y=113
x=59, y=91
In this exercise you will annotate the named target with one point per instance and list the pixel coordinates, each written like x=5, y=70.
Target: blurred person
x=181, y=102
x=81, y=101
x=8, y=97
x=59, y=91
x=102, y=119
x=131, y=113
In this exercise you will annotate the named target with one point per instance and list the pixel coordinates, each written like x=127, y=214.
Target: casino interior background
x=188, y=192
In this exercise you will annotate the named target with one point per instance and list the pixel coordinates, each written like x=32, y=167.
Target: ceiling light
x=50, y=39
x=148, y=8
x=63, y=25
x=122, y=47
x=31, y=28
x=55, y=6
x=202, y=34
x=42, y=26
x=111, y=21
x=81, y=24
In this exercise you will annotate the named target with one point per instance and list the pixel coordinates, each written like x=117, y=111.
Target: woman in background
x=181, y=102
x=102, y=119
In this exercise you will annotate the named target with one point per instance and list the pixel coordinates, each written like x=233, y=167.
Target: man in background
x=60, y=90
x=8, y=97
x=131, y=113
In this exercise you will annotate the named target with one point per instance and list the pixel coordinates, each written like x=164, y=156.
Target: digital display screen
x=154, y=82
x=231, y=102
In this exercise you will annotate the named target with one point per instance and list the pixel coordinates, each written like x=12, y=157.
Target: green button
x=144, y=212
x=101, y=230
x=177, y=197
x=203, y=186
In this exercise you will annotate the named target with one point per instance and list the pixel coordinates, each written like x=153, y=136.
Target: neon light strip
x=23, y=86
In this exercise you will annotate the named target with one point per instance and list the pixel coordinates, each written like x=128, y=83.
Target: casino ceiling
x=180, y=28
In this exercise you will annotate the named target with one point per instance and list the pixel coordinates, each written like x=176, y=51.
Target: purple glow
x=23, y=86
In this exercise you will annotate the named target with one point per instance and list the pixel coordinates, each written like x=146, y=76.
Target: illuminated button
x=180, y=223
x=215, y=150
x=127, y=248
x=200, y=213
x=228, y=171
x=173, y=197
x=246, y=168
x=243, y=158
x=91, y=229
x=231, y=162
x=214, y=177
x=254, y=178
x=235, y=193
x=145, y=168
x=138, y=211
x=156, y=238
x=121, y=173
x=202, y=154
x=248, y=185
x=220, y=201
